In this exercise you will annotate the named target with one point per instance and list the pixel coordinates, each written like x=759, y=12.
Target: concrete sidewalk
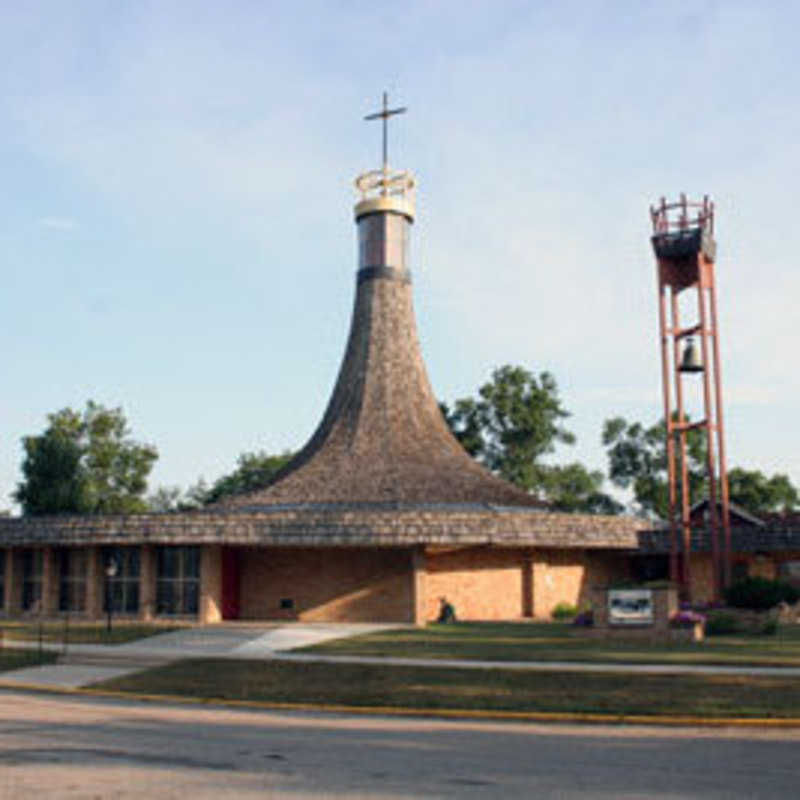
x=85, y=664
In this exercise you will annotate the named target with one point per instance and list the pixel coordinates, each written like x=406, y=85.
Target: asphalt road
x=78, y=747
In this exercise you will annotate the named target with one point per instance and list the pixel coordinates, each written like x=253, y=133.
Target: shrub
x=770, y=627
x=585, y=619
x=564, y=611
x=686, y=619
x=760, y=594
x=719, y=623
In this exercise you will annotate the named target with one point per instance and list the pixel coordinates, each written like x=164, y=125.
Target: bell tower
x=685, y=251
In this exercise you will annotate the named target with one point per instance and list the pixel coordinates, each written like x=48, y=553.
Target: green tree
x=513, y=423
x=172, y=498
x=253, y=471
x=759, y=494
x=572, y=487
x=84, y=462
x=515, y=420
x=637, y=460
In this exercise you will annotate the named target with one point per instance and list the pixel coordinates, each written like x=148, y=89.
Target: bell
x=691, y=358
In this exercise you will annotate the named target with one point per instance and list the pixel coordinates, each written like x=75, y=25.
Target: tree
x=638, y=460
x=759, y=494
x=172, y=498
x=572, y=487
x=84, y=462
x=253, y=471
x=514, y=422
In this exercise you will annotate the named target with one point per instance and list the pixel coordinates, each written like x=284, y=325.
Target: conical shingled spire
x=383, y=438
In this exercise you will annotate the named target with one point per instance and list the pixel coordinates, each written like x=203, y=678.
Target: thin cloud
x=58, y=223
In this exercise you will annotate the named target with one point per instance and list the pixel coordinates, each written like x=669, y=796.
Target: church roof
x=383, y=437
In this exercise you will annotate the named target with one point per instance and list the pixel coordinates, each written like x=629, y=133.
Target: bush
x=564, y=611
x=760, y=594
x=585, y=619
x=719, y=623
x=770, y=627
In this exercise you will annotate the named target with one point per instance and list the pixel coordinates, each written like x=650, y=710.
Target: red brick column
x=210, y=584
x=94, y=584
x=539, y=608
x=13, y=584
x=49, y=582
x=527, y=585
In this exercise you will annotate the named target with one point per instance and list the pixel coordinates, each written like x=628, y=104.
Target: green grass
x=564, y=642
x=83, y=632
x=437, y=688
x=17, y=659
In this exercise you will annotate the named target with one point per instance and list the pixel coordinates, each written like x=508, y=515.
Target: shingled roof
x=383, y=437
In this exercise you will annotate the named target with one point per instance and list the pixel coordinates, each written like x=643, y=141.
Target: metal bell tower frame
x=685, y=250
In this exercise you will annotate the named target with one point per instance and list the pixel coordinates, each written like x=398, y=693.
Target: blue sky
x=176, y=230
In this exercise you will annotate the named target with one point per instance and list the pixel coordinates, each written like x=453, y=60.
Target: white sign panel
x=630, y=606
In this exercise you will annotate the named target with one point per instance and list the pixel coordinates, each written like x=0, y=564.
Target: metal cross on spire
x=384, y=114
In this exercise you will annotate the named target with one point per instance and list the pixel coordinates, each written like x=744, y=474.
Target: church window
x=178, y=582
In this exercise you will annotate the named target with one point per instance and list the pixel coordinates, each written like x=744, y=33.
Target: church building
x=377, y=518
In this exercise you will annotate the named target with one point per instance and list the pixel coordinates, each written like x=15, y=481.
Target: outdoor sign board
x=630, y=606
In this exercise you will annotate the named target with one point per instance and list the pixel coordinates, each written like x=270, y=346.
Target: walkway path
x=86, y=664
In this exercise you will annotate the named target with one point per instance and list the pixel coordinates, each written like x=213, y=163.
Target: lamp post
x=111, y=571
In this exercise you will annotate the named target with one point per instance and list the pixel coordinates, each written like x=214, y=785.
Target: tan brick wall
x=481, y=583
x=566, y=576
x=210, y=584
x=701, y=578
x=512, y=583
x=419, y=585
x=763, y=567
x=327, y=584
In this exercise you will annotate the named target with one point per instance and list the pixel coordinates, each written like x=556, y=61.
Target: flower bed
x=692, y=624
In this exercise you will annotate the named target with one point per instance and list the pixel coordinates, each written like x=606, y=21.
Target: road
x=82, y=747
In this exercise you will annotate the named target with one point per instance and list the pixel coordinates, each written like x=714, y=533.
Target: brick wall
x=481, y=583
x=210, y=609
x=564, y=576
x=327, y=584
x=512, y=583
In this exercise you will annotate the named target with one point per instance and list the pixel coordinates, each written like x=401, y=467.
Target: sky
x=176, y=230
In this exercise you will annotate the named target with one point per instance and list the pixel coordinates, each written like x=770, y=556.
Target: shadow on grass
x=19, y=659
x=435, y=688
x=60, y=631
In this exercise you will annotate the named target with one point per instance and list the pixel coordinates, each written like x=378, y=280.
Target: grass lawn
x=563, y=642
x=17, y=659
x=436, y=688
x=83, y=632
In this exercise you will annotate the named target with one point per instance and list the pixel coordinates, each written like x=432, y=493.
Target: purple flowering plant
x=686, y=618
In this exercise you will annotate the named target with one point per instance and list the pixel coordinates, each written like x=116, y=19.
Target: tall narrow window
x=122, y=589
x=3, y=579
x=32, y=561
x=178, y=581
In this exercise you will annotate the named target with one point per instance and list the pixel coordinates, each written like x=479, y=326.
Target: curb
x=588, y=718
